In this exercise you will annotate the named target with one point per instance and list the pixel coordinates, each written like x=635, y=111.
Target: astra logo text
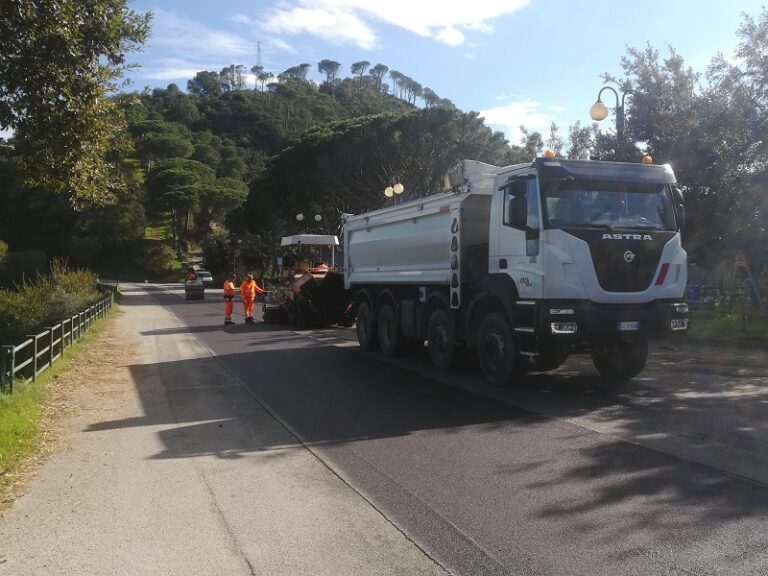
x=627, y=237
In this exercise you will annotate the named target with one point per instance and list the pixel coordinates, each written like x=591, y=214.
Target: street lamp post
x=599, y=111
x=394, y=191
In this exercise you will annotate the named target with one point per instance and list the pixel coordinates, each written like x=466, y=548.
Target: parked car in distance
x=194, y=289
x=206, y=277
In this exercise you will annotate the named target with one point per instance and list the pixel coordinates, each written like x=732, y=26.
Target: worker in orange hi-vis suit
x=248, y=291
x=229, y=298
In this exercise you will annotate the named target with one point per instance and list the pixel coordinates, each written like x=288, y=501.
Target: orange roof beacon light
x=647, y=159
x=549, y=153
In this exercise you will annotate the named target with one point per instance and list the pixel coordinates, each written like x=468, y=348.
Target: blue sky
x=516, y=61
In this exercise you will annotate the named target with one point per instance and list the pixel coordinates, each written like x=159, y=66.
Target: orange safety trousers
x=248, y=307
x=228, y=307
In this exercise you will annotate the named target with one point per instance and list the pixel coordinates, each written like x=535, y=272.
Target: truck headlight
x=563, y=327
x=679, y=324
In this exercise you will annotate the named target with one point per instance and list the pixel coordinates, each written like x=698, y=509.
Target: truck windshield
x=614, y=205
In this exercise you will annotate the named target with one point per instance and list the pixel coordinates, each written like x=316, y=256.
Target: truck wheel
x=620, y=360
x=366, y=327
x=389, y=330
x=440, y=342
x=496, y=349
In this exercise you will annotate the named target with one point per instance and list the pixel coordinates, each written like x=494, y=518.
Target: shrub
x=44, y=302
x=159, y=259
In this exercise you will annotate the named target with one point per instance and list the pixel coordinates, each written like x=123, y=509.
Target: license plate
x=632, y=326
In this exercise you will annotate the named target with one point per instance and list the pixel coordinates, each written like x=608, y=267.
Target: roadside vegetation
x=27, y=414
x=34, y=304
x=749, y=325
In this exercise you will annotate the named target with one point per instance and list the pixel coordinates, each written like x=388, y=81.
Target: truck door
x=518, y=248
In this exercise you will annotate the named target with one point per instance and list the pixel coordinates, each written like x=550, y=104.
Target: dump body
x=411, y=242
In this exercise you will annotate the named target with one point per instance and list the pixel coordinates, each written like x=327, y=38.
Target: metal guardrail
x=24, y=362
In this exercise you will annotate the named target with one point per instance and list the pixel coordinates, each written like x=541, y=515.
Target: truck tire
x=440, y=342
x=365, y=327
x=620, y=361
x=390, y=339
x=496, y=349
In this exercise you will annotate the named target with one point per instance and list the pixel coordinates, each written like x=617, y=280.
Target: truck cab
x=594, y=255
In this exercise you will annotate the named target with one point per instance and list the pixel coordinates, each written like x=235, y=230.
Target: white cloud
x=334, y=26
x=349, y=21
x=182, y=37
x=282, y=45
x=521, y=112
x=451, y=36
x=243, y=19
x=484, y=27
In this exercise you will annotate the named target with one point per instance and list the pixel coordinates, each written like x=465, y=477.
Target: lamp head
x=398, y=188
x=599, y=111
x=389, y=192
x=318, y=217
x=300, y=217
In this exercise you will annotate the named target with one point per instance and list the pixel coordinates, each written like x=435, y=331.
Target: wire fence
x=23, y=363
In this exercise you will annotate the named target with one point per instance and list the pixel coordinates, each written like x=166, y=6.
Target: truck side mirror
x=677, y=194
x=681, y=215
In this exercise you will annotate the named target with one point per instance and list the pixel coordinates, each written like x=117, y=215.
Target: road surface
x=559, y=475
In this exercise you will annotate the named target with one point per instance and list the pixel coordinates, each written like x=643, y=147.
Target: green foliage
x=345, y=166
x=19, y=426
x=159, y=259
x=712, y=135
x=25, y=264
x=716, y=325
x=45, y=301
x=58, y=61
x=205, y=84
x=218, y=251
x=21, y=412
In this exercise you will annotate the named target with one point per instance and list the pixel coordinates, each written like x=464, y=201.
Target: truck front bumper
x=589, y=322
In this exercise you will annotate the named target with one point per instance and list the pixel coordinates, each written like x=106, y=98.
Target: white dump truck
x=525, y=265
